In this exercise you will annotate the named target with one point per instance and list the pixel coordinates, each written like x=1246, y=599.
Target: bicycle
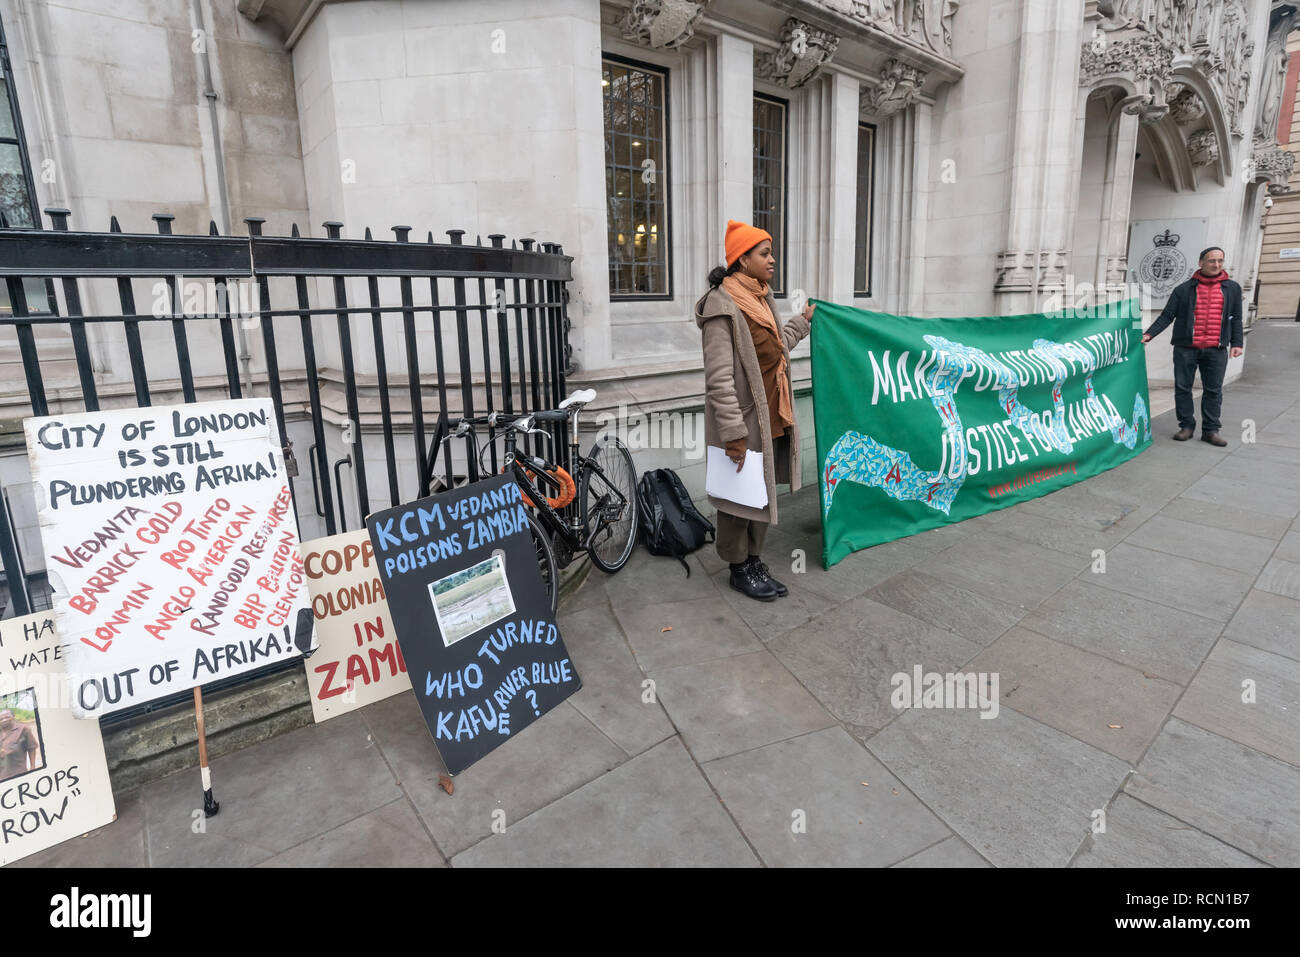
x=605, y=522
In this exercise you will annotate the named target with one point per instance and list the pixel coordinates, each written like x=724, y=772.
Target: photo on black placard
x=469, y=600
x=21, y=748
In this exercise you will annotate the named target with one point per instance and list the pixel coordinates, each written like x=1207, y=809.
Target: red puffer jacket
x=1208, y=328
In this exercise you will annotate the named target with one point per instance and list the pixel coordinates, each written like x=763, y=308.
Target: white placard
x=53, y=775
x=359, y=660
x=171, y=544
x=746, y=487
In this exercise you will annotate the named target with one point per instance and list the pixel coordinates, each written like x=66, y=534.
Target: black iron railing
x=503, y=310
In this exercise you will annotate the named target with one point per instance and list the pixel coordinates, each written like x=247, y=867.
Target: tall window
x=769, y=178
x=17, y=197
x=17, y=193
x=636, y=181
x=862, y=215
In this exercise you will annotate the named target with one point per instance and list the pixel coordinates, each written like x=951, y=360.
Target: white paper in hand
x=746, y=487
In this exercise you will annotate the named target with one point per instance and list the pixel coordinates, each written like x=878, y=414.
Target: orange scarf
x=750, y=295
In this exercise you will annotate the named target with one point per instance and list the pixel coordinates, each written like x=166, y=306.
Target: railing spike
x=113, y=225
x=293, y=231
x=212, y=228
x=58, y=218
x=368, y=236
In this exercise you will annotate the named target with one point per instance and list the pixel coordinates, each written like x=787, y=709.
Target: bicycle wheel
x=607, y=499
x=545, y=560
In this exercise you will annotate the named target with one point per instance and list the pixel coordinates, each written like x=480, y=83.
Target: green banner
x=926, y=422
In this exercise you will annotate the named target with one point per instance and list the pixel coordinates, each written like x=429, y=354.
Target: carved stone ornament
x=804, y=50
x=1139, y=39
x=1016, y=269
x=662, y=23
x=1185, y=104
x=926, y=23
x=899, y=85
x=1203, y=147
x=1273, y=67
x=1141, y=57
x=1274, y=164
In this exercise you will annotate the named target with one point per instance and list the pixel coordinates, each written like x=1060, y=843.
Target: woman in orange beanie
x=748, y=402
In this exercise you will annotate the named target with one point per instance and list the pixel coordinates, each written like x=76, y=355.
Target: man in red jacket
x=1206, y=313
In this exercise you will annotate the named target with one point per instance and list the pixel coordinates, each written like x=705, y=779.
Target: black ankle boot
x=761, y=568
x=745, y=578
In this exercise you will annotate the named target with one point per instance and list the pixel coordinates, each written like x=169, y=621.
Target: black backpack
x=671, y=522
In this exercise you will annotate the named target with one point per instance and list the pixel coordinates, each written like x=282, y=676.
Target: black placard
x=472, y=616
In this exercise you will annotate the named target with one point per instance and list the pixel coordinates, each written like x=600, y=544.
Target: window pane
x=636, y=195
x=862, y=214
x=769, y=179
x=15, y=199
x=6, y=116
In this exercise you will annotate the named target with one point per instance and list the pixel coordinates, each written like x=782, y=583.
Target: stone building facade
x=926, y=157
x=1279, y=258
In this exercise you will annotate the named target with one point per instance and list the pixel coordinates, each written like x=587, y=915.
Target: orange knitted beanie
x=741, y=238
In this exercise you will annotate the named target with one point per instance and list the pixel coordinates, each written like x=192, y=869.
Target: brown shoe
x=1182, y=435
x=1214, y=439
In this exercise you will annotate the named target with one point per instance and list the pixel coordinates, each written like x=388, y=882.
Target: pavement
x=1149, y=701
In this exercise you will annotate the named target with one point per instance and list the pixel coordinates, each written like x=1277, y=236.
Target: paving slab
x=1002, y=567
x=847, y=578
x=119, y=844
x=550, y=758
x=1256, y=496
x=1281, y=577
x=1271, y=722
x=1255, y=469
x=1110, y=706
x=590, y=594
x=1205, y=590
x=1156, y=639
x=273, y=796
x=1289, y=548
x=657, y=810
x=611, y=696
x=1214, y=546
x=729, y=705
x=950, y=852
x=1220, y=515
x=848, y=657
x=770, y=619
x=967, y=613
x=1244, y=798
x=658, y=576
x=390, y=836
x=701, y=629
x=1021, y=793
x=1267, y=621
x=1138, y=835
x=1051, y=531
x=803, y=803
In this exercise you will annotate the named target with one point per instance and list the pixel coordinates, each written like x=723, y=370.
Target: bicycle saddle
x=581, y=397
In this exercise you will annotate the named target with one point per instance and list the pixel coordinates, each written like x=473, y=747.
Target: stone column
x=842, y=190
x=734, y=125
x=1036, y=248
x=1116, y=197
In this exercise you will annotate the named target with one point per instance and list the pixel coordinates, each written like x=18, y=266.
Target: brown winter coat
x=735, y=404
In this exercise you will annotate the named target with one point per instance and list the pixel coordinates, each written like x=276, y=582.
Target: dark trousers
x=1212, y=363
x=738, y=538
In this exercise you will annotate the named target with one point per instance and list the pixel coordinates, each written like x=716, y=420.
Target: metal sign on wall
x=1163, y=252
